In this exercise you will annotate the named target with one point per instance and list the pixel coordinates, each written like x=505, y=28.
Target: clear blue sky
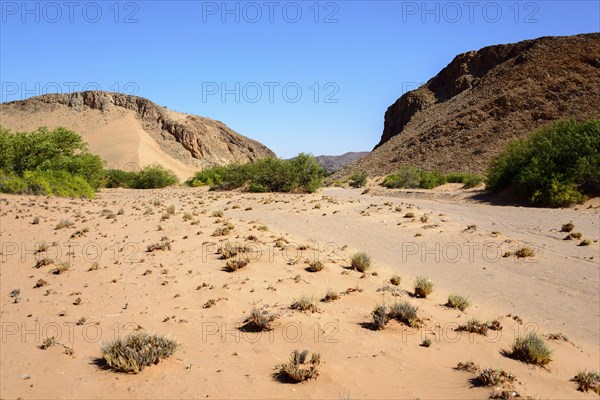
x=361, y=55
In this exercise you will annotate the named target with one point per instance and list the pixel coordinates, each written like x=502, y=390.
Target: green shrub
x=555, y=166
x=154, y=177
x=467, y=179
x=380, y=317
x=358, y=180
x=531, y=349
x=431, y=179
x=119, y=178
x=137, y=351
x=300, y=174
x=405, y=177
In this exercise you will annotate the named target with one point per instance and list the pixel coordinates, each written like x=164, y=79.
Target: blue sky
x=298, y=76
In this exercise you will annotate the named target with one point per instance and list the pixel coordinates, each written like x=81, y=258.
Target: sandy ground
x=164, y=292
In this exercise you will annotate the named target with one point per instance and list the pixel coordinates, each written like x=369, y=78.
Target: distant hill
x=335, y=163
x=132, y=132
x=466, y=114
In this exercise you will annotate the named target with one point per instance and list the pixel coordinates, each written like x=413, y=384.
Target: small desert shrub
x=568, y=227
x=531, y=349
x=360, y=262
x=305, y=303
x=234, y=265
x=426, y=342
x=525, y=252
x=588, y=381
x=574, y=235
x=299, y=368
x=163, y=245
x=330, y=295
x=585, y=242
x=468, y=366
x=137, y=351
x=43, y=262
x=315, y=266
x=61, y=268
x=171, y=209
x=36, y=220
x=409, y=215
x=474, y=326
x=221, y=232
x=230, y=250
x=424, y=218
x=458, y=302
x=259, y=320
x=358, y=180
x=217, y=214
x=405, y=177
x=423, y=287
x=467, y=179
x=395, y=280
x=380, y=317
x=48, y=342
x=64, y=223
x=494, y=377
x=404, y=312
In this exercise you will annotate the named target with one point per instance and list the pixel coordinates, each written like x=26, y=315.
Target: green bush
x=358, y=180
x=137, y=351
x=57, y=183
x=555, y=166
x=431, y=179
x=153, y=177
x=119, y=178
x=405, y=177
x=48, y=163
x=410, y=177
x=300, y=174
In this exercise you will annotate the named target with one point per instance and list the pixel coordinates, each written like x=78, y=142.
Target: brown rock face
x=465, y=115
x=191, y=140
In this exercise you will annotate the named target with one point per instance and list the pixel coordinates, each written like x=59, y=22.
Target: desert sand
x=459, y=246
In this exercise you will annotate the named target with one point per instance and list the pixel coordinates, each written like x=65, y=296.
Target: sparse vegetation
x=315, y=266
x=234, y=265
x=458, y=302
x=568, y=227
x=299, y=368
x=330, y=295
x=360, y=262
x=404, y=312
x=137, y=351
x=588, y=380
x=554, y=167
x=525, y=252
x=423, y=287
x=64, y=223
x=259, y=320
x=395, y=280
x=531, y=349
x=305, y=303
x=494, y=377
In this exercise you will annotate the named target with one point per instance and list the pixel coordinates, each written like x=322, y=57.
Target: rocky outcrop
x=465, y=115
x=335, y=163
x=205, y=141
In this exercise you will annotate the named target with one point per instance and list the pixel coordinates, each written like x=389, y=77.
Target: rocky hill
x=131, y=132
x=335, y=163
x=465, y=115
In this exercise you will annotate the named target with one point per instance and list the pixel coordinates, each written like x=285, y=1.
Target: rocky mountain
x=131, y=132
x=466, y=114
x=335, y=163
